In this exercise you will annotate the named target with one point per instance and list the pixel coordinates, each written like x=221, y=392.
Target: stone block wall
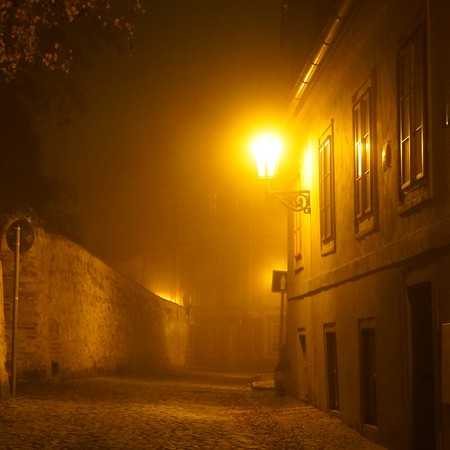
x=77, y=316
x=4, y=387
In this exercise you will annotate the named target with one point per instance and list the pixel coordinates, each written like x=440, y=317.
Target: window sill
x=413, y=199
x=298, y=263
x=365, y=226
x=329, y=247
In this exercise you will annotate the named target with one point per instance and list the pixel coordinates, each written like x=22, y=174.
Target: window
x=363, y=137
x=332, y=367
x=326, y=187
x=412, y=120
x=368, y=371
x=298, y=234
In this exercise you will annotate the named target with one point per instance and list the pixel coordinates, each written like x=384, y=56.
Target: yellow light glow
x=359, y=148
x=267, y=149
x=169, y=297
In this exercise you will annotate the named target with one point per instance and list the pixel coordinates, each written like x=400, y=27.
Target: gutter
x=329, y=36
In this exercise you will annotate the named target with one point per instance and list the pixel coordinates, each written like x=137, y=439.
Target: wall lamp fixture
x=266, y=150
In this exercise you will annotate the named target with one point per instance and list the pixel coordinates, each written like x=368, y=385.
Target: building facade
x=368, y=313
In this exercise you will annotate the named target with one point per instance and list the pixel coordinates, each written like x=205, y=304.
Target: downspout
x=329, y=35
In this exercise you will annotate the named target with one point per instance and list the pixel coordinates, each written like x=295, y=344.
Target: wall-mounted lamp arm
x=297, y=201
x=266, y=149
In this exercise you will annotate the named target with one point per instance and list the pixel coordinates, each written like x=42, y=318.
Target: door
x=368, y=372
x=423, y=395
x=302, y=368
x=332, y=369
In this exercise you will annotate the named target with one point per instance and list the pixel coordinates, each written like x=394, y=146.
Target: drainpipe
x=329, y=35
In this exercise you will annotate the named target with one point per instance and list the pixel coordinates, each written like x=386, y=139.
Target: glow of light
x=267, y=149
x=169, y=297
x=367, y=155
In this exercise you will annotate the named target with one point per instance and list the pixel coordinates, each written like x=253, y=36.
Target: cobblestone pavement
x=196, y=411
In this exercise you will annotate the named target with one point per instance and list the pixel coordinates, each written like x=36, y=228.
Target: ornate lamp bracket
x=294, y=200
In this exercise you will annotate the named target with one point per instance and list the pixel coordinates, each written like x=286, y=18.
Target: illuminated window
x=326, y=180
x=364, y=158
x=412, y=91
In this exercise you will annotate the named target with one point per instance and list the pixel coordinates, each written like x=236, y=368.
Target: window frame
x=297, y=232
x=327, y=192
x=303, y=378
x=412, y=101
x=368, y=372
x=364, y=148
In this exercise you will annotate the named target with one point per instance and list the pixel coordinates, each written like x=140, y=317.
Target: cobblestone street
x=194, y=412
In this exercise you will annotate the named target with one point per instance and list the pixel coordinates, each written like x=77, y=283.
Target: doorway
x=368, y=365
x=423, y=407
x=303, y=392
x=332, y=368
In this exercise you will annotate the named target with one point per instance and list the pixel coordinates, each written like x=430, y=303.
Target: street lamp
x=267, y=149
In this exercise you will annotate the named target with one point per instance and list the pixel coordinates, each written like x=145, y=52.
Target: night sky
x=171, y=121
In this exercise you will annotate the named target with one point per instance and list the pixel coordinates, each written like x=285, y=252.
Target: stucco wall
x=77, y=316
x=385, y=272
x=346, y=306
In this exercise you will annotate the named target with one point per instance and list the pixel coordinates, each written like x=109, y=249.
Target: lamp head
x=266, y=149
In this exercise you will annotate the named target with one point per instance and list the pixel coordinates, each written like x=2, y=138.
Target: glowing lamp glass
x=266, y=150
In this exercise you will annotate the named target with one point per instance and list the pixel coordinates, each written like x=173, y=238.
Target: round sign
x=26, y=235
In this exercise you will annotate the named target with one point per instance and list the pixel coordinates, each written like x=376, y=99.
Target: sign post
x=20, y=238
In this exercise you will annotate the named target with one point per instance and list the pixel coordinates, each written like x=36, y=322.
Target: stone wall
x=4, y=388
x=77, y=316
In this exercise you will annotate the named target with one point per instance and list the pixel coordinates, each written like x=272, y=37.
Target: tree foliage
x=23, y=187
x=40, y=41
x=48, y=32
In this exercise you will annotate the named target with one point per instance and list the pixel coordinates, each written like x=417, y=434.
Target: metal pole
x=15, y=312
x=281, y=326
